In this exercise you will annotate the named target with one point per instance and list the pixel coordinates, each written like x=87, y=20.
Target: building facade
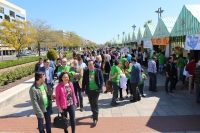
x=10, y=12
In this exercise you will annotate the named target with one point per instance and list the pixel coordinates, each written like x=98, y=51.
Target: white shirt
x=47, y=75
x=108, y=57
x=123, y=81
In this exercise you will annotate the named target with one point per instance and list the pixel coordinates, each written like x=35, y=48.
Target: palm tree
x=148, y=22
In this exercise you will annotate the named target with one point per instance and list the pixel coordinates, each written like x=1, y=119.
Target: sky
x=99, y=20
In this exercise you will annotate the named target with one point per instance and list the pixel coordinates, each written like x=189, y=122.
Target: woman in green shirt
x=180, y=66
x=127, y=70
x=115, y=77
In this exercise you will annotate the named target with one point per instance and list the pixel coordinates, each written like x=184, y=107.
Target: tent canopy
x=134, y=36
x=149, y=31
x=188, y=21
x=140, y=33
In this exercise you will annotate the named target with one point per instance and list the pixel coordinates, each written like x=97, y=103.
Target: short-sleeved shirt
x=143, y=76
x=181, y=63
x=161, y=59
x=62, y=68
x=44, y=96
x=69, y=95
x=114, y=70
x=92, y=83
x=128, y=75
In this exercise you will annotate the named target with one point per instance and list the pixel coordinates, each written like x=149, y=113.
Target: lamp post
x=123, y=35
x=118, y=36
x=159, y=11
x=133, y=27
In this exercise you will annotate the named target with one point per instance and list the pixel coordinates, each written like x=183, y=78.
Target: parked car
x=21, y=54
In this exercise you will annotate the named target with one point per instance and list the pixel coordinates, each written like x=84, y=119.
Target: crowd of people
x=88, y=72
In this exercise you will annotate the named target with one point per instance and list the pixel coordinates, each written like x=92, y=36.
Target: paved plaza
x=157, y=112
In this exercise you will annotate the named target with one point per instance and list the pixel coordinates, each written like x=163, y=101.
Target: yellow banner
x=161, y=41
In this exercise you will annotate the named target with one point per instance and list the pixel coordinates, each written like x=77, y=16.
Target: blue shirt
x=82, y=65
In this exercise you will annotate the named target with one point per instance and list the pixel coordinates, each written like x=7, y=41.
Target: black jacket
x=37, y=66
x=169, y=69
x=107, y=67
x=174, y=69
x=98, y=80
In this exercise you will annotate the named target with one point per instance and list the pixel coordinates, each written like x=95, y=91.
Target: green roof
x=164, y=27
x=134, y=36
x=149, y=31
x=126, y=38
x=130, y=35
x=188, y=21
x=117, y=41
x=140, y=33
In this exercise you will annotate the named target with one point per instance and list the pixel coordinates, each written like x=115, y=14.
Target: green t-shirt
x=61, y=68
x=72, y=73
x=143, y=76
x=122, y=60
x=161, y=59
x=181, y=63
x=92, y=83
x=44, y=95
x=128, y=75
x=104, y=72
x=115, y=69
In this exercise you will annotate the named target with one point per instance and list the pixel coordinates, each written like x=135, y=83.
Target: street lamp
x=118, y=36
x=159, y=11
x=123, y=34
x=133, y=27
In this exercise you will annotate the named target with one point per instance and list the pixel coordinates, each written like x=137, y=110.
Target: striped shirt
x=152, y=66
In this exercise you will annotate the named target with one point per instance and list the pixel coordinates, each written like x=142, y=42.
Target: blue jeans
x=152, y=81
x=180, y=73
x=197, y=92
x=78, y=93
x=71, y=110
x=47, y=117
x=171, y=80
x=115, y=93
x=161, y=69
x=141, y=88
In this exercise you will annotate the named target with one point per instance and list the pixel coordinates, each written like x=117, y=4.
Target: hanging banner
x=124, y=50
x=160, y=41
x=148, y=44
x=192, y=42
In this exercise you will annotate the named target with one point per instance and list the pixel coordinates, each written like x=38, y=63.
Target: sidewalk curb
x=13, y=94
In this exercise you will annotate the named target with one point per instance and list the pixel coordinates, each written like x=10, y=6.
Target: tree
x=148, y=22
x=44, y=32
x=16, y=34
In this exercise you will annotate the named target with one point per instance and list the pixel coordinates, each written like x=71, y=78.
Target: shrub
x=13, y=75
x=11, y=63
x=52, y=54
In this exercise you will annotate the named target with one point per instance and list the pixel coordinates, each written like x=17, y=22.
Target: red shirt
x=190, y=67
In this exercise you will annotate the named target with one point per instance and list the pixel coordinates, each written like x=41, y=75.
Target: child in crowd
x=141, y=83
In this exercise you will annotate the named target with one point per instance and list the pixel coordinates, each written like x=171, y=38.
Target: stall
x=185, y=30
x=161, y=36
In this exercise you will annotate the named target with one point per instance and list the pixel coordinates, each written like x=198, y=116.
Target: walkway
x=158, y=112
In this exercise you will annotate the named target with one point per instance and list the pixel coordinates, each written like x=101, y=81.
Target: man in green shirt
x=180, y=66
x=161, y=62
x=41, y=102
x=92, y=85
x=115, y=77
x=64, y=66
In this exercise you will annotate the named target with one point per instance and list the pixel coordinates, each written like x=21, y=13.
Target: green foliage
x=52, y=54
x=11, y=76
x=11, y=63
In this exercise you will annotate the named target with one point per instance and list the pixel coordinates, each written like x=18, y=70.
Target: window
x=1, y=17
x=1, y=9
x=20, y=17
x=12, y=14
x=7, y=17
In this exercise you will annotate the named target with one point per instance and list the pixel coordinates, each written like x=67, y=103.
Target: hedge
x=18, y=73
x=10, y=63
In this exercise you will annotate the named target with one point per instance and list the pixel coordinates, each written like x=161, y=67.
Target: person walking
x=39, y=64
x=66, y=99
x=161, y=62
x=197, y=81
x=135, y=79
x=190, y=68
x=92, y=84
x=41, y=102
x=77, y=82
x=175, y=73
x=152, y=70
x=127, y=70
x=49, y=75
x=169, y=76
x=64, y=66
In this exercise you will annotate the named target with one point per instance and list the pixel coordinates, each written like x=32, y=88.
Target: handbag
x=109, y=87
x=60, y=122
